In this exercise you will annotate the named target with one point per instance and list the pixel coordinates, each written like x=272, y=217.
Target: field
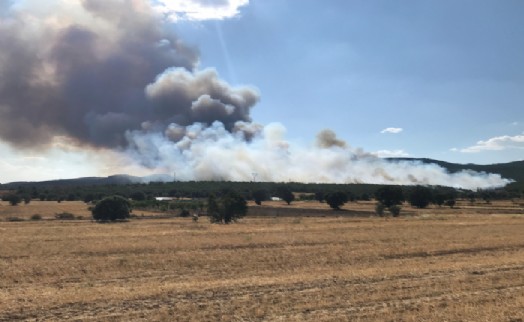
x=439, y=264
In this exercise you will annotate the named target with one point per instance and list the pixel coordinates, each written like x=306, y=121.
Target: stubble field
x=438, y=265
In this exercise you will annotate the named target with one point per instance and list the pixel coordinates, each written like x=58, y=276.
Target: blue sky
x=448, y=73
x=102, y=87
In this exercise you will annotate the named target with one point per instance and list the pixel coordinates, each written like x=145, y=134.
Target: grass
x=452, y=266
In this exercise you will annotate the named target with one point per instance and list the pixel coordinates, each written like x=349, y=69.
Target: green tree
x=260, y=195
x=439, y=199
x=213, y=210
x=379, y=209
x=420, y=196
x=284, y=193
x=395, y=210
x=111, y=209
x=13, y=199
x=230, y=207
x=138, y=196
x=89, y=197
x=336, y=199
x=389, y=195
x=320, y=196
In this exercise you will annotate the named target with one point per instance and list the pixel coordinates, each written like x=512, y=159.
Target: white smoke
x=213, y=153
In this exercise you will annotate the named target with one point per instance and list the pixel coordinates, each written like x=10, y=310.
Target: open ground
x=439, y=264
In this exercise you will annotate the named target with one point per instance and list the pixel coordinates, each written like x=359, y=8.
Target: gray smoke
x=327, y=139
x=85, y=78
x=110, y=75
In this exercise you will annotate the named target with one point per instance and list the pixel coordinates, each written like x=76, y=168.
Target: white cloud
x=391, y=154
x=392, y=130
x=498, y=143
x=200, y=9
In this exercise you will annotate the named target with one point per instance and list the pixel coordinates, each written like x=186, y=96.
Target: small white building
x=164, y=198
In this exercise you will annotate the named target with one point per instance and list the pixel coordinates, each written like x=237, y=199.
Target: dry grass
x=433, y=267
x=46, y=209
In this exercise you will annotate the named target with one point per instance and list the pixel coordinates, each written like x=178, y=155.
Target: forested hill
x=86, y=181
x=510, y=170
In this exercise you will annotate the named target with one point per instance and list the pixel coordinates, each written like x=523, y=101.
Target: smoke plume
x=111, y=74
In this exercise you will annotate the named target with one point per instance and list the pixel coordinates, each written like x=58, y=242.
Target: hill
x=511, y=170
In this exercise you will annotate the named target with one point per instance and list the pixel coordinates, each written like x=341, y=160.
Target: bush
x=14, y=219
x=259, y=196
x=336, y=199
x=138, y=196
x=228, y=208
x=379, y=209
x=36, y=217
x=285, y=193
x=65, y=216
x=395, y=210
x=319, y=196
x=420, y=197
x=450, y=203
x=389, y=195
x=111, y=209
x=12, y=199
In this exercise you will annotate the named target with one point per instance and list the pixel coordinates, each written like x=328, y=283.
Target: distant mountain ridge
x=511, y=170
x=118, y=179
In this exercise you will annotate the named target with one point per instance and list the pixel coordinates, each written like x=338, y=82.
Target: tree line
x=257, y=191
x=227, y=201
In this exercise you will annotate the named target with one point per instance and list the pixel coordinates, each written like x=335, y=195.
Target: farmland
x=464, y=264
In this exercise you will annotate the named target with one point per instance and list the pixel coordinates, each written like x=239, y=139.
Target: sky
x=434, y=79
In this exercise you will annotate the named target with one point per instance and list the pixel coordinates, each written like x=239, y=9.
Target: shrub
x=260, y=195
x=450, y=203
x=111, y=209
x=319, y=196
x=420, y=197
x=439, y=199
x=36, y=217
x=284, y=193
x=138, y=196
x=379, y=209
x=65, y=216
x=395, y=210
x=336, y=199
x=12, y=199
x=228, y=208
x=389, y=195
x=14, y=219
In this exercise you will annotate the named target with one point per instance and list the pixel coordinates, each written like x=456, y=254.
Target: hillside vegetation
x=510, y=170
x=92, y=188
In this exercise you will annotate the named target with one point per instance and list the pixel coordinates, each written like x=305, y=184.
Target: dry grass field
x=462, y=264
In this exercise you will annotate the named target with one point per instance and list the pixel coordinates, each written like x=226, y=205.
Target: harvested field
x=429, y=267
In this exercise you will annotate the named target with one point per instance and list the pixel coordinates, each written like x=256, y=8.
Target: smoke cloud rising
x=111, y=74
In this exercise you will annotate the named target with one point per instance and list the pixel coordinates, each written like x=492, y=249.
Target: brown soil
x=433, y=265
